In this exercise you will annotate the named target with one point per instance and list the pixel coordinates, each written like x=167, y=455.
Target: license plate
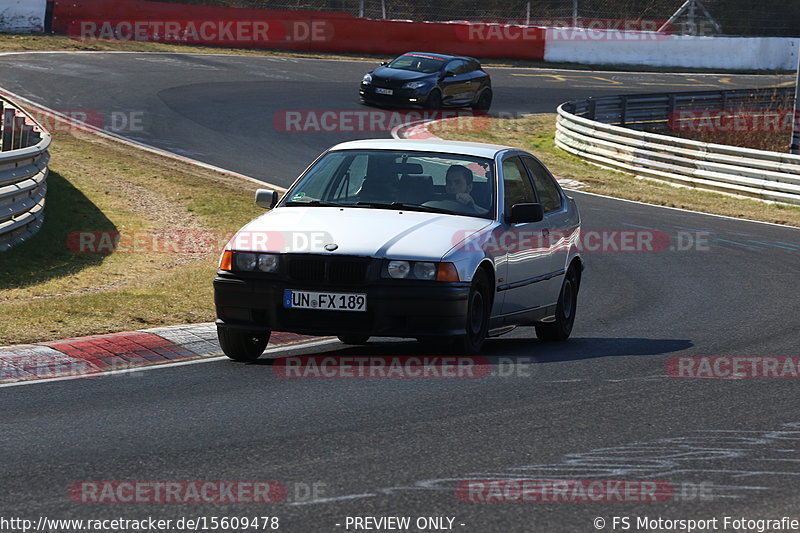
x=383, y=91
x=324, y=301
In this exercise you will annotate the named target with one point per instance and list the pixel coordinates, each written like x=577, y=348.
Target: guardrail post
x=592, y=108
x=27, y=135
x=623, y=111
x=19, y=125
x=8, y=129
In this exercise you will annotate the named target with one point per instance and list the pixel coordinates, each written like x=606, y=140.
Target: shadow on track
x=527, y=350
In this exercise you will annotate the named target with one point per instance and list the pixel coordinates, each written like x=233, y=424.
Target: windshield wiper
x=316, y=203
x=401, y=205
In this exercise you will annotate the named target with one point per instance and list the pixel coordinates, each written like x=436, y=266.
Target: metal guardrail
x=593, y=130
x=23, y=174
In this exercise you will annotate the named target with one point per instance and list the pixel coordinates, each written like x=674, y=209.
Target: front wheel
x=434, y=100
x=242, y=344
x=565, y=311
x=478, y=307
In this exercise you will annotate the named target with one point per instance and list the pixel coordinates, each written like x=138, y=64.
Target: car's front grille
x=327, y=269
x=387, y=83
x=347, y=271
x=303, y=269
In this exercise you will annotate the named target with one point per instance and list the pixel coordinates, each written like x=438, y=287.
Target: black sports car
x=429, y=80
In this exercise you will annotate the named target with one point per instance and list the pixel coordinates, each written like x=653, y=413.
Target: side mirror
x=521, y=213
x=384, y=63
x=266, y=198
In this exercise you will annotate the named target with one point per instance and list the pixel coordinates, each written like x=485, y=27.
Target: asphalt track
x=599, y=407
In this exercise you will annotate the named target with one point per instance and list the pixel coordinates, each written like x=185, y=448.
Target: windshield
x=418, y=63
x=386, y=179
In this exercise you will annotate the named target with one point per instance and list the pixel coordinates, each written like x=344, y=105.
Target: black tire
x=353, y=339
x=565, y=311
x=478, y=307
x=242, y=344
x=434, y=100
x=484, y=101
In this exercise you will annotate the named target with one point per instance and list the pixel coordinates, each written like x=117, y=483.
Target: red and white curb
x=115, y=352
x=419, y=130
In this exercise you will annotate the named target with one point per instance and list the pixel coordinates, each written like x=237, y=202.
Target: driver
x=458, y=182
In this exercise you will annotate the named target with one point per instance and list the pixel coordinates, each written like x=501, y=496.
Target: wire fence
x=778, y=18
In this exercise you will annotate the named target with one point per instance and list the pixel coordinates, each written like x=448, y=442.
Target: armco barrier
x=585, y=128
x=23, y=175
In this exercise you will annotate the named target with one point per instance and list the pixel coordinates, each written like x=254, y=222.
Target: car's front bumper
x=399, y=98
x=395, y=308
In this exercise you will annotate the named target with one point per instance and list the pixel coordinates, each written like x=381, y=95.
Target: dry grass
x=535, y=133
x=50, y=291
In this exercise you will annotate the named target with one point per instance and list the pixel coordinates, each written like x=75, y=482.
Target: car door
x=528, y=261
x=475, y=80
x=558, y=225
x=455, y=85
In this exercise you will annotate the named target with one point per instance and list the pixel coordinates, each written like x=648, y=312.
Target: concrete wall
x=22, y=15
x=607, y=47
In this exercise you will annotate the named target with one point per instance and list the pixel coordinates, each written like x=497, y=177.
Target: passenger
x=458, y=182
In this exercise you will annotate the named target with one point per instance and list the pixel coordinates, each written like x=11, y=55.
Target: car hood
x=369, y=232
x=399, y=75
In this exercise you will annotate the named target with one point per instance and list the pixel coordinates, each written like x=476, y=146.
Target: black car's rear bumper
x=394, y=308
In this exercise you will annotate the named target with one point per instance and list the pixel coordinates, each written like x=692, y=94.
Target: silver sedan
x=446, y=242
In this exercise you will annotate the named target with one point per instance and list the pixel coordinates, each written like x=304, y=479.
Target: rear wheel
x=484, y=101
x=242, y=344
x=434, y=100
x=353, y=339
x=478, y=307
x=561, y=329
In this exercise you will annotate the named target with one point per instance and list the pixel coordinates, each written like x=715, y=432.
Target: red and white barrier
x=607, y=43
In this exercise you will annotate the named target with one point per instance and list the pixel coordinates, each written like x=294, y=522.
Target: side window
x=545, y=186
x=517, y=186
x=473, y=66
x=457, y=66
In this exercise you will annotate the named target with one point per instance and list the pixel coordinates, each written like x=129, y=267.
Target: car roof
x=425, y=145
x=440, y=56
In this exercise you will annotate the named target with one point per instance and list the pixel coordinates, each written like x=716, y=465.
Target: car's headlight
x=425, y=270
x=245, y=261
x=398, y=269
x=420, y=270
x=367, y=79
x=267, y=263
x=251, y=262
x=414, y=84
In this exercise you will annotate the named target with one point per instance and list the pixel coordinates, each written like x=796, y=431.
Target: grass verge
x=536, y=133
x=49, y=290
